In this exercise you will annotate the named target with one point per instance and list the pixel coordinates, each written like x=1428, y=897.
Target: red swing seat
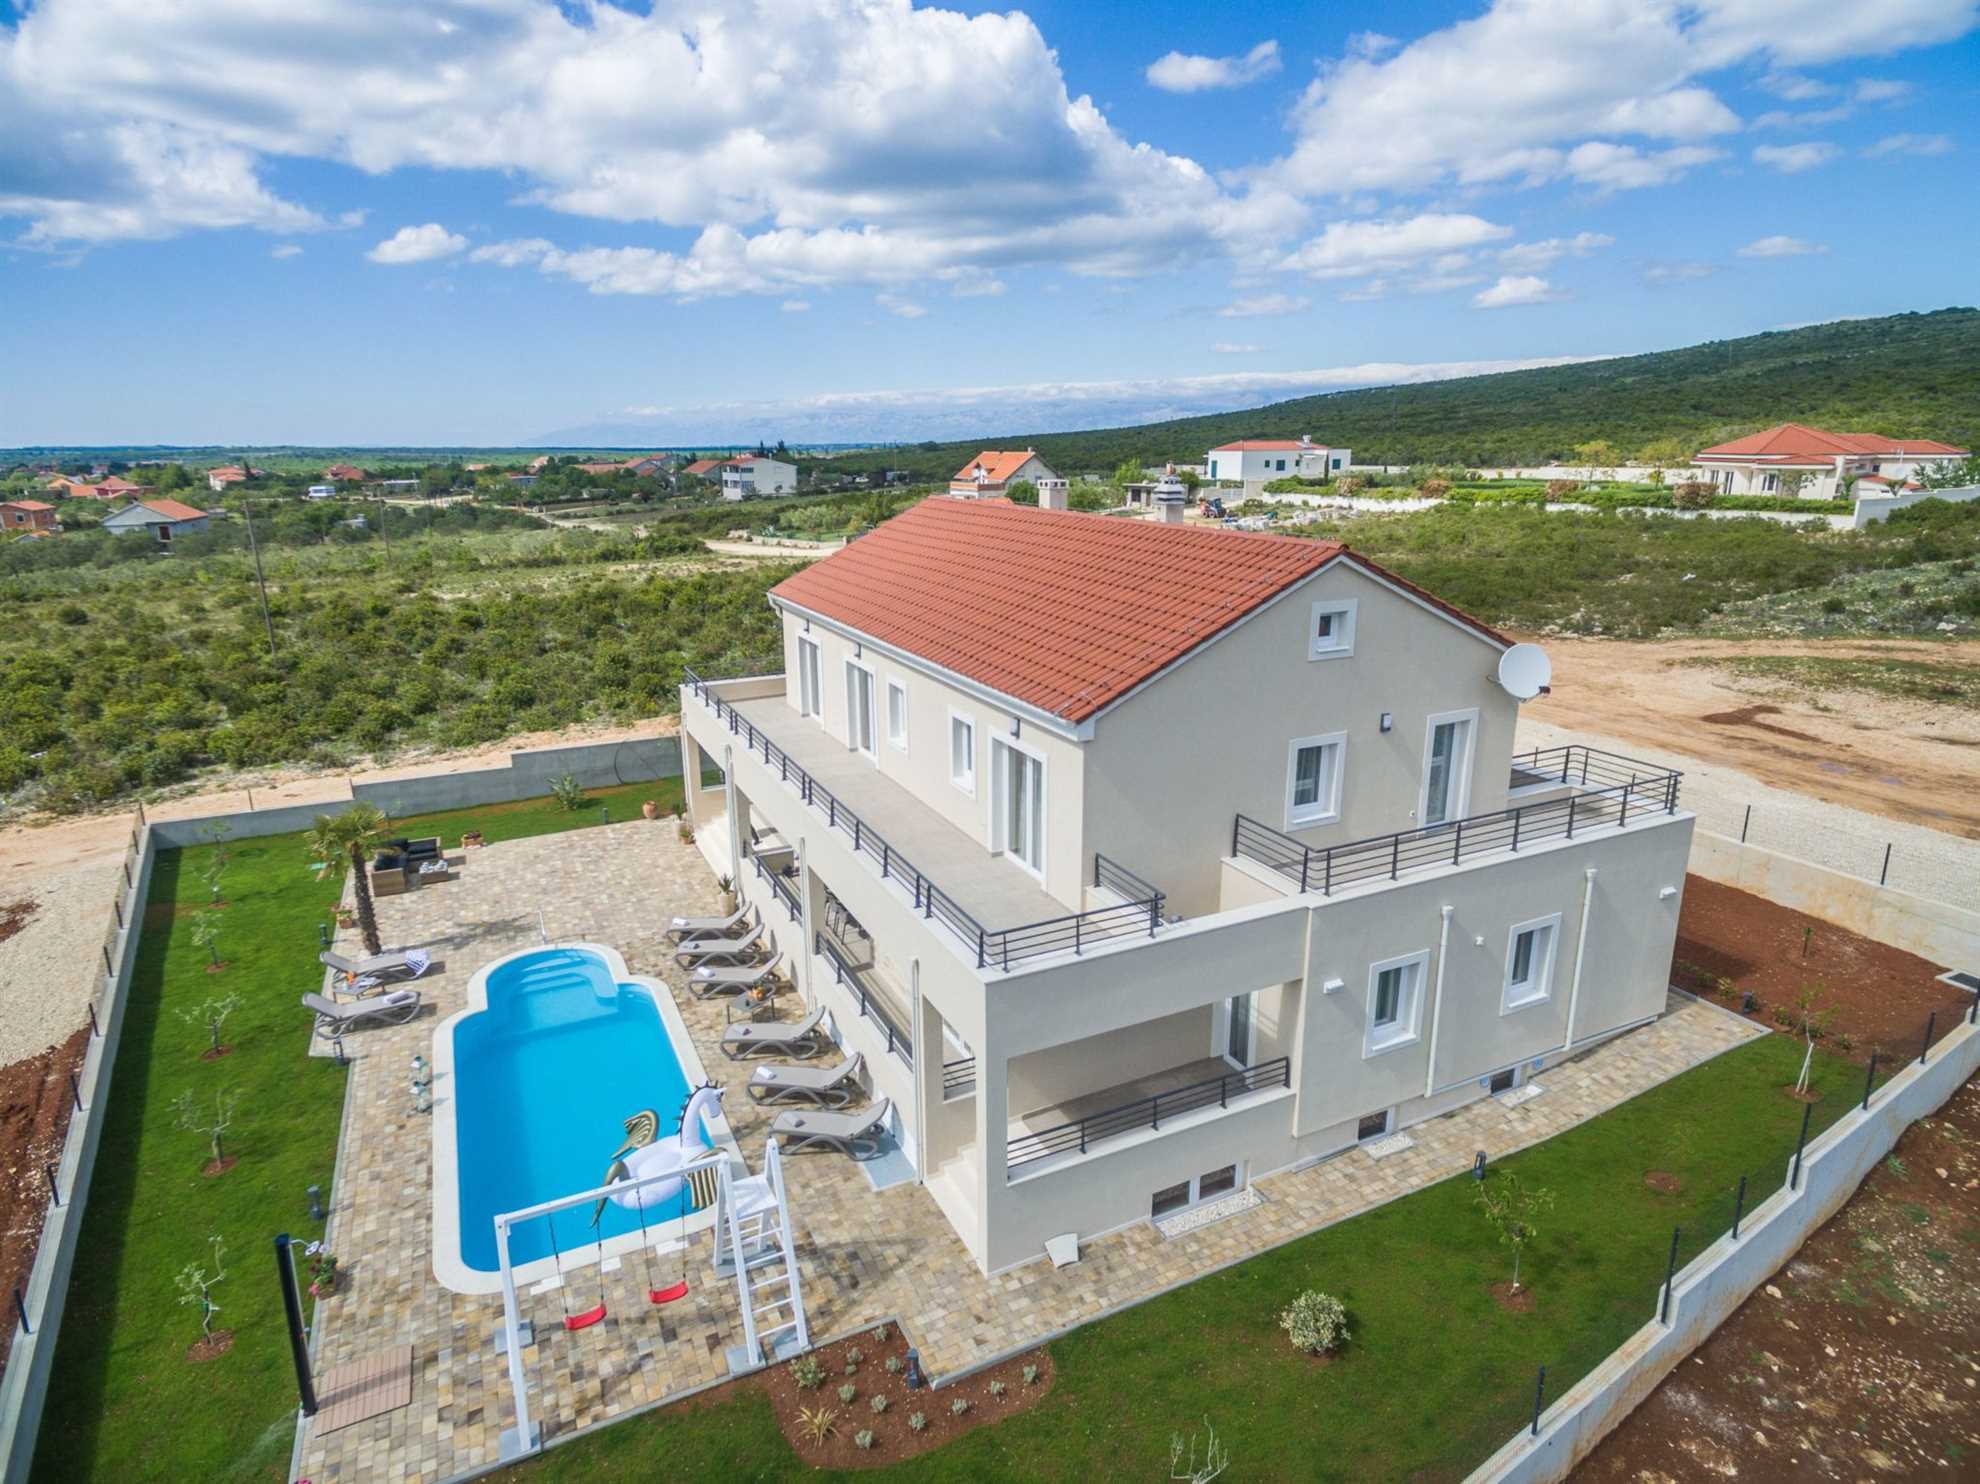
x=669, y=1294
x=585, y=1320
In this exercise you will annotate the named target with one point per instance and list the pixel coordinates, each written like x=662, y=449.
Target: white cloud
x=1794, y=87
x=513, y=253
x=895, y=304
x=1514, y=289
x=286, y=250
x=1358, y=249
x=1258, y=306
x=1535, y=255
x=1792, y=159
x=1910, y=144
x=1807, y=118
x=418, y=245
x=1511, y=96
x=1781, y=246
x=1661, y=275
x=1235, y=348
x=1880, y=90
x=1178, y=72
x=795, y=306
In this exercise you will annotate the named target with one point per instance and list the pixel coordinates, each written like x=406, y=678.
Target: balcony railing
x=994, y=947
x=871, y=1006
x=1083, y=1133
x=1638, y=789
x=781, y=886
x=958, y=1078
x=1583, y=767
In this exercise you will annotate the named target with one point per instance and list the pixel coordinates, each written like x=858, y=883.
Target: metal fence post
x=1739, y=1207
x=1794, y=1175
x=1744, y=822
x=1539, y=1390
x=21, y=1308
x=1670, y=1273
x=1885, y=874
x=1870, y=1079
x=1931, y=1024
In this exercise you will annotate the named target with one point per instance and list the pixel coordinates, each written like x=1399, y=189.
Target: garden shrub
x=1693, y=494
x=1316, y=1321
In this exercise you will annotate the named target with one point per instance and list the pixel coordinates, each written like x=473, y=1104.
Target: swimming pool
x=533, y=1083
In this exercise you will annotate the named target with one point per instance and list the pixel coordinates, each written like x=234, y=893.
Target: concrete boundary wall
x=1946, y=935
x=1871, y=508
x=1725, y=1275
x=24, y=1387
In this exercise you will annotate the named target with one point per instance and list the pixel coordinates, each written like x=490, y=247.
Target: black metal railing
x=781, y=886
x=1328, y=869
x=1584, y=767
x=998, y=948
x=872, y=1005
x=1083, y=1133
x=1122, y=882
x=958, y=1077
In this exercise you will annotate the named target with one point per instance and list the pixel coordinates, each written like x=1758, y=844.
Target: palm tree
x=338, y=838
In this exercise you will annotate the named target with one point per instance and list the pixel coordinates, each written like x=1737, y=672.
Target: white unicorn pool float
x=645, y=1155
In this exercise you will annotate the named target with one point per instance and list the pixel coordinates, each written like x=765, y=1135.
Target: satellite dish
x=1525, y=671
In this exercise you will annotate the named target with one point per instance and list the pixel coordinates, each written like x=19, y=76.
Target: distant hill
x=1912, y=375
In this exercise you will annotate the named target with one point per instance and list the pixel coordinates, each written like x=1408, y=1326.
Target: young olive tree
x=210, y=1015
x=190, y=1114
x=196, y=1286
x=206, y=933
x=214, y=868
x=1511, y=1208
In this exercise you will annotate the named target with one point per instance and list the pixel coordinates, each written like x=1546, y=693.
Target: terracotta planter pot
x=650, y=809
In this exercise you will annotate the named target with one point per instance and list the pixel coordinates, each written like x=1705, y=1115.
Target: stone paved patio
x=864, y=1257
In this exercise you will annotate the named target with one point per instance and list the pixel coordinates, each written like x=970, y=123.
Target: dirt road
x=1907, y=760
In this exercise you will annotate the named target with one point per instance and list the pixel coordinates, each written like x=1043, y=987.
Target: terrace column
x=811, y=906
x=734, y=813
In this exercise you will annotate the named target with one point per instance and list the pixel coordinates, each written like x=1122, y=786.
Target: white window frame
x=1326, y=809
x=897, y=686
x=1342, y=647
x=995, y=833
x=873, y=695
x=811, y=675
x=1539, y=987
x=966, y=780
x=1409, y=1014
x=1461, y=795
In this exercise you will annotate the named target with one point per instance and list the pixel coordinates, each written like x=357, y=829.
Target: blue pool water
x=544, y=1080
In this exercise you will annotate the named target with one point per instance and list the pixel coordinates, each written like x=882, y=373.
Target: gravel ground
x=50, y=968
x=1926, y=863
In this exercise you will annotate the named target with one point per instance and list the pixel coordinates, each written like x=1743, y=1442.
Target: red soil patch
x=14, y=916
x=218, y=1167
x=1855, y=1360
x=893, y=1438
x=216, y=1344
x=34, y=1118
x=1749, y=716
x=1512, y=1301
x=1730, y=943
x=214, y=1053
x=1663, y=1182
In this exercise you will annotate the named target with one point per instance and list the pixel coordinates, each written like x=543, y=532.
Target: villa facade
x=1144, y=860
x=1820, y=465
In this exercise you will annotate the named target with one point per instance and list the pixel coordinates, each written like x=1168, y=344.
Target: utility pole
x=381, y=526
x=247, y=509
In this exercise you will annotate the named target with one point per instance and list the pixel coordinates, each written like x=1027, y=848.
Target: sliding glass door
x=1017, y=805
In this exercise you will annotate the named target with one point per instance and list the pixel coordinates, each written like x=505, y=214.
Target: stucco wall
x=1872, y=508
x=1046, y=1077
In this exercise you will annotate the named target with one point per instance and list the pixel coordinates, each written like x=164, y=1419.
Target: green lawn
x=1436, y=1376
x=124, y=1403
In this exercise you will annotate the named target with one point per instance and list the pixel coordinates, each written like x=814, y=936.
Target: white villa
x=992, y=472
x=1142, y=860
x=161, y=518
x=753, y=475
x=1257, y=460
x=1826, y=462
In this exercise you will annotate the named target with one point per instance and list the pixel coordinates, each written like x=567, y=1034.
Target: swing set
x=699, y=1182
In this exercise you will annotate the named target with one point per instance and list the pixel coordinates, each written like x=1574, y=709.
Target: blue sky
x=485, y=221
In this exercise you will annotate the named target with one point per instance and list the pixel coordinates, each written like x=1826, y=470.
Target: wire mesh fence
x=1925, y=862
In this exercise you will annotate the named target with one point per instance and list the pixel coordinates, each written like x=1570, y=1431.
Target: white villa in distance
x=751, y=476
x=1827, y=462
x=992, y=472
x=1257, y=460
x=1141, y=860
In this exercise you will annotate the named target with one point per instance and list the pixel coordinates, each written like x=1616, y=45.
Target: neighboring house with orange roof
x=345, y=474
x=28, y=518
x=1822, y=464
x=218, y=479
x=703, y=468
x=653, y=465
x=1180, y=856
x=164, y=519
x=992, y=472
x=1258, y=460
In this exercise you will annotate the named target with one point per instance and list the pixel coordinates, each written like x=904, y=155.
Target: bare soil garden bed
x=1731, y=943
x=1857, y=1360
x=34, y=1119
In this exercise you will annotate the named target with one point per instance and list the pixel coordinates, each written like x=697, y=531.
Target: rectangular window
x=1017, y=794
x=808, y=688
x=1170, y=1198
x=962, y=752
x=1372, y=1126
x=1330, y=630
x=1530, y=962
x=897, y=713
x=1446, y=767
x=1313, y=780
x=1503, y=1081
x=859, y=708
x=1216, y=1183
x=1395, y=996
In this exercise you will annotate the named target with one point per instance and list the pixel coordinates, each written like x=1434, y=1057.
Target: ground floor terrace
x=866, y=1254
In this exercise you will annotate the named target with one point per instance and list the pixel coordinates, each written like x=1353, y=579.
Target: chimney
x=1052, y=493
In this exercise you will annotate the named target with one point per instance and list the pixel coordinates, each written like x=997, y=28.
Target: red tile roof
x=1062, y=611
x=702, y=466
x=1789, y=442
x=173, y=510
x=997, y=465
x=27, y=505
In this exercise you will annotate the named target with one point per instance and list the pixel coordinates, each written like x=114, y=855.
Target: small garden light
x=1478, y=1165
x=316, y=1203
x=915, y=1380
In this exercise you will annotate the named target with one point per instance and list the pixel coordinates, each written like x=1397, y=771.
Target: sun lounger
x=708, y=979
x=799, y=1038
x=731, y=926
x=855, y=1135
x=719, y=950
x=394, y=1008
x=833, y=1087
x=411, y=963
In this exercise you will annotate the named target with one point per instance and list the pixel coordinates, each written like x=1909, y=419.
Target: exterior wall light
x=1388, y=721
